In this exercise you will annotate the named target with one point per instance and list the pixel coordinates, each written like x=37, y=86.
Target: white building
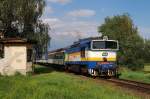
x=16, y=56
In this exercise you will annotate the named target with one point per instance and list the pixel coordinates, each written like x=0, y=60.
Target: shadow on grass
x=41, y=68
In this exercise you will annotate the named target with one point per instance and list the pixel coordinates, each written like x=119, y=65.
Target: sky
x=71, y=20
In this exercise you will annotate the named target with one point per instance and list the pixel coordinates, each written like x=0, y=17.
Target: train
x=94, y=56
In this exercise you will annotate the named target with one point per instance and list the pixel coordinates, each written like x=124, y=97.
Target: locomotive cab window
x=104, y=45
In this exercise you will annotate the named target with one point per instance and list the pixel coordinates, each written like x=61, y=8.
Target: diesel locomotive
x=94, y=56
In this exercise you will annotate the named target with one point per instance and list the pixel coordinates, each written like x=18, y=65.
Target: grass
x=147, y=67
x=57, y=85
x=135, y=75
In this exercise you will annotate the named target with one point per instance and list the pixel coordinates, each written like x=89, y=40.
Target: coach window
x=83, y=52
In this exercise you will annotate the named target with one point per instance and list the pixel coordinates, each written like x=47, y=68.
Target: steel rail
x=139, y=86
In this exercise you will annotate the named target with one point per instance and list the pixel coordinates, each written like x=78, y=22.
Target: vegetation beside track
x=135, y=75
x=147, y=67
x=57, y=85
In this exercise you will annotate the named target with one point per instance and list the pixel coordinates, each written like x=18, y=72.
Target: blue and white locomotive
x=94, y=56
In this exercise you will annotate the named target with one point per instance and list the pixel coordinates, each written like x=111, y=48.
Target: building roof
x=13, y=40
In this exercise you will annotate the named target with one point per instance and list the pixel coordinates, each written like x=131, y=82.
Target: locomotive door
x=82, y=52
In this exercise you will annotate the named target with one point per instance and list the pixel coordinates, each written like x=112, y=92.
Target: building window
x=1, y=51
x=29, y=55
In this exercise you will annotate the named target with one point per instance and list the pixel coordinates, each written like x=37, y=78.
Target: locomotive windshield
x=105, y=45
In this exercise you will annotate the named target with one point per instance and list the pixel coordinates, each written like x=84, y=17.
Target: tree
x=21, y=18
x=121, y=28
x=146, y=52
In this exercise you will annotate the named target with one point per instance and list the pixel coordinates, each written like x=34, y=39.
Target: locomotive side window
x=83, y=52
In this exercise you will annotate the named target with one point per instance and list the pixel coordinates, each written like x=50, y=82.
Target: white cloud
x=64, y=32
x=53, y=22
x=60, y=1
x=82, y=13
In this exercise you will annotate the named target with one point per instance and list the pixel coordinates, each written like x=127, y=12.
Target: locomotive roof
x=77, y=43
x=91, y=38
x=85, y=40
x=57, y=51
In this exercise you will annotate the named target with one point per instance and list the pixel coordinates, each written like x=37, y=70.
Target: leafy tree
x=121, y=28
x=21, y=18
x=146, y=52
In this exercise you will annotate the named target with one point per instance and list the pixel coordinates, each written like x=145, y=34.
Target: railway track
x=139, y=86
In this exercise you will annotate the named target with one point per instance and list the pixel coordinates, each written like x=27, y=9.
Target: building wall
x=15, y=60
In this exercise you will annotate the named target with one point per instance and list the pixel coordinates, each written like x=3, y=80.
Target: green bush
x=136, y=64
x=17, y=73
x=134, y=75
